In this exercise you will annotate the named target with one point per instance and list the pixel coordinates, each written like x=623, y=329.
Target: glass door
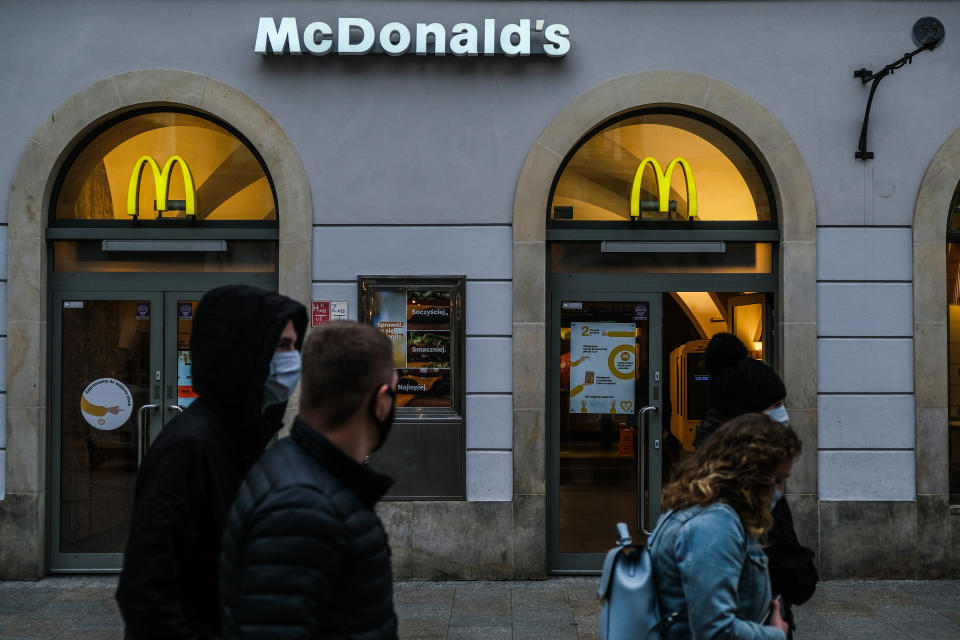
x=605, y=422
x=107, y=376
x=121, y=370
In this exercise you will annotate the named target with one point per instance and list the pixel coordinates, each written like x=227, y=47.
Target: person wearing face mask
x=739, y=385
x=304, y=553
x=245, y=365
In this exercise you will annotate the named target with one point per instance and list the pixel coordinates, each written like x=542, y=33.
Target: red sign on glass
x=321, y=311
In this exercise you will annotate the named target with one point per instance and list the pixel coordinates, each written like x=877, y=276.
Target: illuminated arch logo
x=161, y=181
x=662, y=179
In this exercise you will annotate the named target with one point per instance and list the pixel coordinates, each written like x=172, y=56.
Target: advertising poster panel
x=603, y=365
x=418, y=324
x=390, y=318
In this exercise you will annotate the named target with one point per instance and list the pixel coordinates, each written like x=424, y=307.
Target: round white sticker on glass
x=106, y=404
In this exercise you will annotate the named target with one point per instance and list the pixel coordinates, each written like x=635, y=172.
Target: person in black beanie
x=738, y=385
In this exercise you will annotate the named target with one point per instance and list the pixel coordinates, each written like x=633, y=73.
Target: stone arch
x=23, y=536
x=930, y=323
x=793, y=190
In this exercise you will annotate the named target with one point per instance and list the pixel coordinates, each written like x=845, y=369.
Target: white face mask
x=283, y=377
x=777, y=494
x=779, y=415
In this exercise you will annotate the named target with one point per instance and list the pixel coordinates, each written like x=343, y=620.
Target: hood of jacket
x=236, y=329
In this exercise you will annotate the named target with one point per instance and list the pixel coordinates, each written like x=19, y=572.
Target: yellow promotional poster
x=663, y=179
x=161, y=181
x=603, y=366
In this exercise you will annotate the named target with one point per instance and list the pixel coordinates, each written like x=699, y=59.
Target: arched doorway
x=661, y=233
x=133, y=247
x=935, y=234
x=793, y=334
x=30, y=315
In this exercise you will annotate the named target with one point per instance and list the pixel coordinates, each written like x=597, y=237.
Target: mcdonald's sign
x=662, y=179
x=161, y=180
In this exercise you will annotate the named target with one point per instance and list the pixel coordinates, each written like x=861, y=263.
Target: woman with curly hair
x=708, y=560
x=738, y=385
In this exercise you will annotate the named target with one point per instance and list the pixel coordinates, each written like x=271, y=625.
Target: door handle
x=143, y=431
x=175, y=407
x=644, y=424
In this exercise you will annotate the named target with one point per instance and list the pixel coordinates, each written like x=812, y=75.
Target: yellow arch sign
x=161, y=180
x=662, y=179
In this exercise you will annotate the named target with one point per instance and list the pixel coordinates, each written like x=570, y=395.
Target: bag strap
x=658, y=531
x=668, y=620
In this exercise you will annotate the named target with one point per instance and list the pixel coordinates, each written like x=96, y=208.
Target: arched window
x=165, y=165
x=660, y=167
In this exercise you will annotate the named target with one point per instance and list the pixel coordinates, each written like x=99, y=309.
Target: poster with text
x=603, y=367
x=426, y=381
x=390, y=317
x=428, y=310
x=418, y=323
x=423, y=388
x=428, y=349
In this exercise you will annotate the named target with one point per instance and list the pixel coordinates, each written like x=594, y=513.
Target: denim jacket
x=708, y=567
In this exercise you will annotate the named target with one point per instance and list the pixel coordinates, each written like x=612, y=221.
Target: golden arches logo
x=662, y=179
x=161, y=181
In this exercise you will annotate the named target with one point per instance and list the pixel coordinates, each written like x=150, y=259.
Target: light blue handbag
x=630, y=609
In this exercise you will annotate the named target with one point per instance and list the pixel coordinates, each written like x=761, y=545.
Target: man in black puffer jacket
x=304, y=553
x=245, y=364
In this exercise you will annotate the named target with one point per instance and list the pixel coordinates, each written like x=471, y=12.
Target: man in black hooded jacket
x=245, y=362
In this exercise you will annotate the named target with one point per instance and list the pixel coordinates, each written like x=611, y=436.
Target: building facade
x=548, y=206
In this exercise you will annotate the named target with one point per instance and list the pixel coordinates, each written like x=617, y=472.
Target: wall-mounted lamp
x=927, y=35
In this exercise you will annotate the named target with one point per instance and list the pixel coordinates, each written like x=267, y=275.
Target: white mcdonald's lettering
x=359, y=36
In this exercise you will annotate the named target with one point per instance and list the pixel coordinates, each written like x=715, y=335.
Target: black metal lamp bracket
x=928, y=34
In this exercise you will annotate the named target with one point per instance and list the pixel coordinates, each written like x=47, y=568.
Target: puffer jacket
x=304, y=553
x=189, y=476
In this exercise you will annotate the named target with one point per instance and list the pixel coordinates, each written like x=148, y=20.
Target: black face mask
x=383, y=426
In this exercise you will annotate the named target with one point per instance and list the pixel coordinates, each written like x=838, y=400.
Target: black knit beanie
x=739, y=384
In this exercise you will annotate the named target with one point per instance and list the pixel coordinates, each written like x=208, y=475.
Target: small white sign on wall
x=339, y=310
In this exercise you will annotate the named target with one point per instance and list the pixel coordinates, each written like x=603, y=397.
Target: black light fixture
x=928, y=33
